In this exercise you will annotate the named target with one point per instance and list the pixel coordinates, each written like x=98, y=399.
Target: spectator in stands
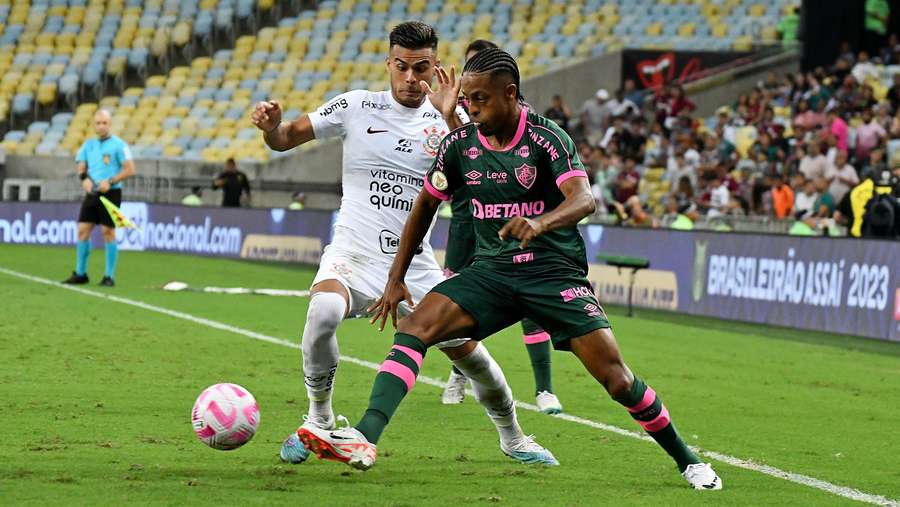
x=874, y=165
x=194, y=198
x=788, y=25
x=679, y=168
x=813, y=165
x=559, y=112
x=869, y=136
x=864, y=68
x=234, y=185
x=804, y=197
x=671, y=104
x=595, y=117
x=825, y=203
x=890, y=53
x=782, y=197
x=842, y=176
x=717, y=199
x=838, y=127
x=298, y=202
x=893, y=94
x=632, y=93
x=622, y=106
x=627, y=181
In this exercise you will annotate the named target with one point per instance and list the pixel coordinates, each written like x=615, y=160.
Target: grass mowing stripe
x=812, y=482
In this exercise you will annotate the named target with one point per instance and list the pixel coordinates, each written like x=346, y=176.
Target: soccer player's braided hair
x=495, y=61
x=414, y=35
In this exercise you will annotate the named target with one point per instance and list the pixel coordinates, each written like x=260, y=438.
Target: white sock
x=492, y=391
x=320, y=352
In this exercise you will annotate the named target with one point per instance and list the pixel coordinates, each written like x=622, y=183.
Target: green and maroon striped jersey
x=521, y=179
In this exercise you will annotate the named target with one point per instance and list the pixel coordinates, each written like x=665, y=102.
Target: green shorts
x=460, y=246
x=556, y=296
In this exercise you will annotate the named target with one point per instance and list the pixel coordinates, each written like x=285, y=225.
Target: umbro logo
x=374, y=131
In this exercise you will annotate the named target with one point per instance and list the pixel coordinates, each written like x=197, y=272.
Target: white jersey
x=388, y=148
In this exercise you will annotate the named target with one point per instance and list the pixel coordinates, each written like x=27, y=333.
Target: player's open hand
x=523, y=229
x=446, y=96
x=395, y=292
x=266, y=115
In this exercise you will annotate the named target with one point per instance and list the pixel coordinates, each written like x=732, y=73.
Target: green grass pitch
x=97, y=397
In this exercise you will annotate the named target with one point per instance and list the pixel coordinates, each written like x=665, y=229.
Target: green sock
x=537, y=342
x=648, y=410
x=394, y=379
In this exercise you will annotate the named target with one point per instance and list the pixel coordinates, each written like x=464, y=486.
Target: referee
x=103, y=163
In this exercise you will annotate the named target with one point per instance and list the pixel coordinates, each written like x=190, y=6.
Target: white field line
x=805, y=480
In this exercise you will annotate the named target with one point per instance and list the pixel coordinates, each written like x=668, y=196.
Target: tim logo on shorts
x=576, y=292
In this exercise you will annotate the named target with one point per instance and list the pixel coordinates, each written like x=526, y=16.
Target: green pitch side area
x=97, y=397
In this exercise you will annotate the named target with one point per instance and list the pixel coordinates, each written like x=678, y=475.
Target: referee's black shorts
x=92, y=210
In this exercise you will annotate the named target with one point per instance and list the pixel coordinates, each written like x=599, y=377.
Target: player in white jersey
x=390, y=139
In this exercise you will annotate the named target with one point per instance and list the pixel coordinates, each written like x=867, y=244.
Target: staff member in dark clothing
x=234, y=184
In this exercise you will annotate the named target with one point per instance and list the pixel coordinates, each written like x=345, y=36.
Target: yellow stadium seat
x=756, y=11
x=687, y=30
x=743, y=43
x=720, y=31
x=654, y=29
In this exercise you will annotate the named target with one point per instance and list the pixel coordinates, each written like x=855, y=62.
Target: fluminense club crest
x=525, y=175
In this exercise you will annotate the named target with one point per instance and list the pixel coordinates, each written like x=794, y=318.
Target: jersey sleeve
x=123, y=154
x=443, y=178
x=563, y=157
x=329, y=120
x=82, y=153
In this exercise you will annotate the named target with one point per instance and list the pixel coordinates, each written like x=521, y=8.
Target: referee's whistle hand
x=87, y=185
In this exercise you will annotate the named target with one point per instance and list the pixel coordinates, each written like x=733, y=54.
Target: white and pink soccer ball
x=225, y=416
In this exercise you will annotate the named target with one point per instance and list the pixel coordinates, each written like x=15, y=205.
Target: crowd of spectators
x=791, y=148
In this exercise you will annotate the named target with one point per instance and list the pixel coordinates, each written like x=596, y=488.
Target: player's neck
x=511, y=126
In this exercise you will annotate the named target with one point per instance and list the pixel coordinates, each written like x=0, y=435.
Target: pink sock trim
x=649, y=398
x=400, y=371
x=531, y=339
x=414, y=355
x=658, y=423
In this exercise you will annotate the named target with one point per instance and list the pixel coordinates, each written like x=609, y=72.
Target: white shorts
x=365, y=279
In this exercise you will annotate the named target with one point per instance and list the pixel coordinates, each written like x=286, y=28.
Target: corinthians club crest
x=525, y=175
x=432, y=141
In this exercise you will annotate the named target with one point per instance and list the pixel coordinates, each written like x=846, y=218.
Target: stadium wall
x=839, y=285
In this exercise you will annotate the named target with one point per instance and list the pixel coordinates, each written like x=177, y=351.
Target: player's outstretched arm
x=414, y=232
x=281, y=135
x=578, y=204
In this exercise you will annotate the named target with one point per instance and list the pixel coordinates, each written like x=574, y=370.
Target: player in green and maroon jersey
x=461, y=253
x=529, y=190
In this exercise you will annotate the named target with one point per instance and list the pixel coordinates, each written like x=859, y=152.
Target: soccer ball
x=225, y=416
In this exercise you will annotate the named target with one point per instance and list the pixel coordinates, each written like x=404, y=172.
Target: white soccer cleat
x=527, y=450
x=346, y=445
x=702, y=476
x=455, y=392
x=548, y=403
x=293, y=451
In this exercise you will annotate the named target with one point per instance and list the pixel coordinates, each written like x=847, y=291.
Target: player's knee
x=422, y=328
x=618, y=382
x=326, y=311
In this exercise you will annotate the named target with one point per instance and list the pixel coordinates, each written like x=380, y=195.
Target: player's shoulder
x=541, y=124
x=460, y=137
x=119, y=141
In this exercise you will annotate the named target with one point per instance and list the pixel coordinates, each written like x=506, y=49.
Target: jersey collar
x=523, y=115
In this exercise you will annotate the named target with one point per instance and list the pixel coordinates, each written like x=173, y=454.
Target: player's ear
x=511, y=91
